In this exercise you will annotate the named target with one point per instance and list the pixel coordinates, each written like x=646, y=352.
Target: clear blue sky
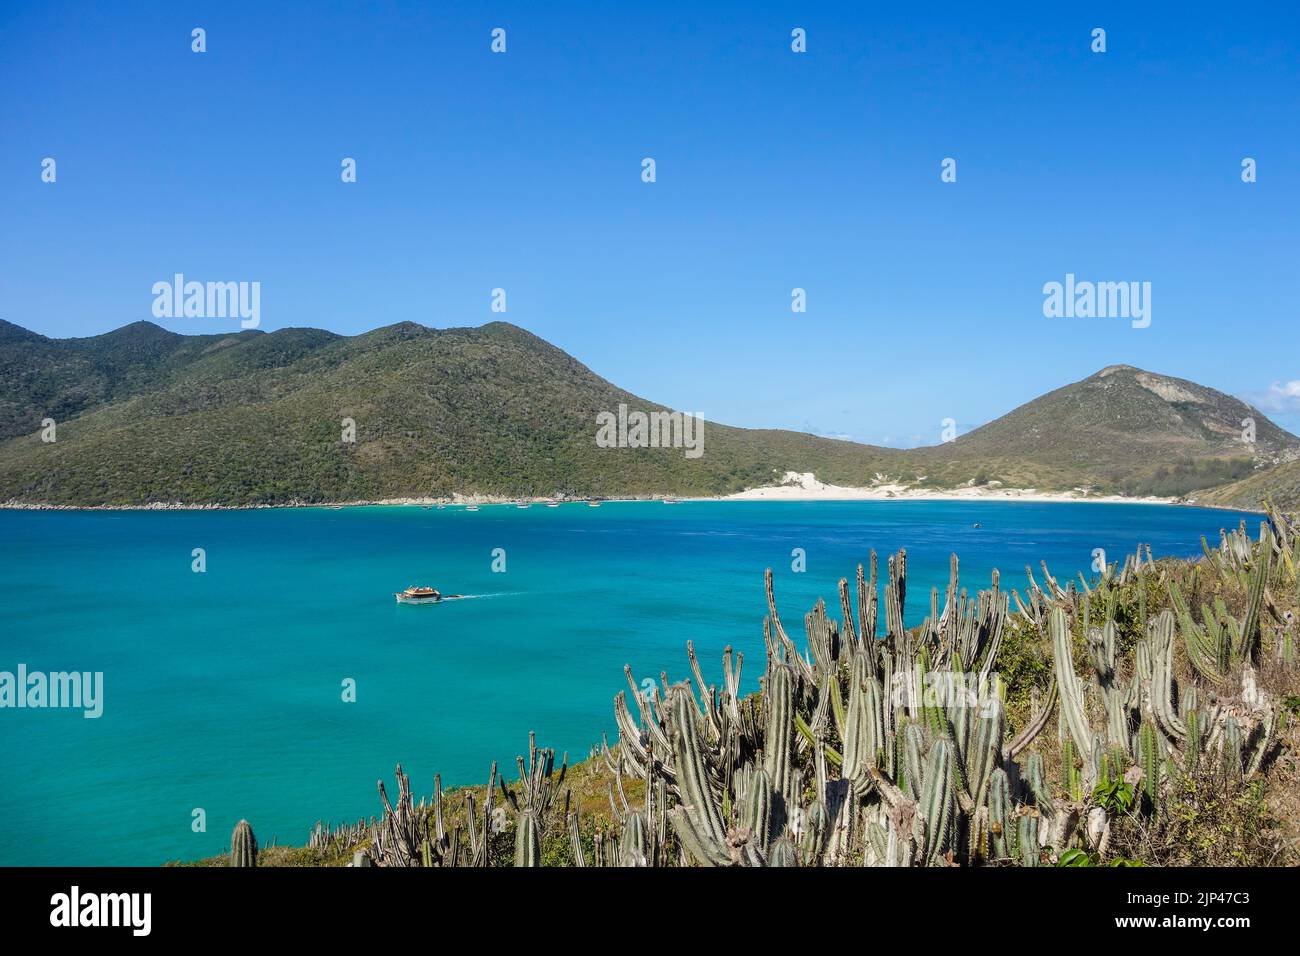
x=775, y=170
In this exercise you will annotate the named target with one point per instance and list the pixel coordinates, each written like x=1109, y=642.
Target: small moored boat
x=418, y=595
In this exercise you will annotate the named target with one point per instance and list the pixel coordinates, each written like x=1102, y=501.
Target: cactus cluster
x=876, y=744
x=888, y=750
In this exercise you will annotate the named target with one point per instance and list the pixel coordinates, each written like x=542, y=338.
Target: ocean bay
x=223, y=689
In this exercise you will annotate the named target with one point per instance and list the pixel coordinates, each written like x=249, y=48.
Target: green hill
x=145, y=415
x=1121, y=430
x=1280, y=485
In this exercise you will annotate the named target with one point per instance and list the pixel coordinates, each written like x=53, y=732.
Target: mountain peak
x=1112, y=369
x=140, y=331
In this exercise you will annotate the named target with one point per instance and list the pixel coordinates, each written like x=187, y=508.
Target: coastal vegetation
x=1144, y=716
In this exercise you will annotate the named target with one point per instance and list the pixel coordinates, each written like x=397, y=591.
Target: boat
x=471, y=507
x=552, y=504
x=593, y=504
x=670, y=501
x=418, y=595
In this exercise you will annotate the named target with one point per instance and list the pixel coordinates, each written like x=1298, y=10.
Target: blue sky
x=775, y=170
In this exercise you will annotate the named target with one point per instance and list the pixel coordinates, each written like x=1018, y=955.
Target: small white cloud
x=820, y=432
x=1281, y=397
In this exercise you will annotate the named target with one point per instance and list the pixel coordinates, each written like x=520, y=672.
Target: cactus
x=1161, y=698
x=783, y=853
x=537, y=789
x=863, y=722
x=1193, y=720
x=778, y=740
x=697, y=820
x=1067, y=682
x=1117, y=699
x=755, y=806
x=528, y=840
x=938, y=799
x=1208, y=647
x=1027, y=849
x=1071, y=780
x=632, y=843
x=1036, y=780
x=1232, y=748
x=1150, y=756
x=1248, y=646
x=397, y=839
x=243, y=845
x=999, y=809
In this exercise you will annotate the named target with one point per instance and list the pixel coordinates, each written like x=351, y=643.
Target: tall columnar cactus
x=1036, y=780
x=243, y=845
x=1071, y=775
x=1194, y=721
x=1151, y=756
x=999, y=808
x=1233, y=748
x=528, y=840
x=1028, y=851
x=1117, y=698
x=697, y=819
x=938, y=800
x=864, y=720
x=1161, y=697
x=1073, y=709
x=778, y=741
x=632, y=848
x=1248, y=642
x=755, y=804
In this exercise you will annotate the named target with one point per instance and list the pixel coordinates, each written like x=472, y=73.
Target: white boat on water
x=471, y=507
x=418, y=595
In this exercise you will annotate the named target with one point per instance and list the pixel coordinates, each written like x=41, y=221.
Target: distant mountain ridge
x=145, y=415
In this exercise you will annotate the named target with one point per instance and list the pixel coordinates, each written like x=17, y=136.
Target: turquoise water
x=223, y=689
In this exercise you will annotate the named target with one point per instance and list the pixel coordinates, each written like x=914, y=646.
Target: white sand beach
x=804, y=486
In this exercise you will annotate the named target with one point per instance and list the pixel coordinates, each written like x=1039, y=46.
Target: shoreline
x=778, y=493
